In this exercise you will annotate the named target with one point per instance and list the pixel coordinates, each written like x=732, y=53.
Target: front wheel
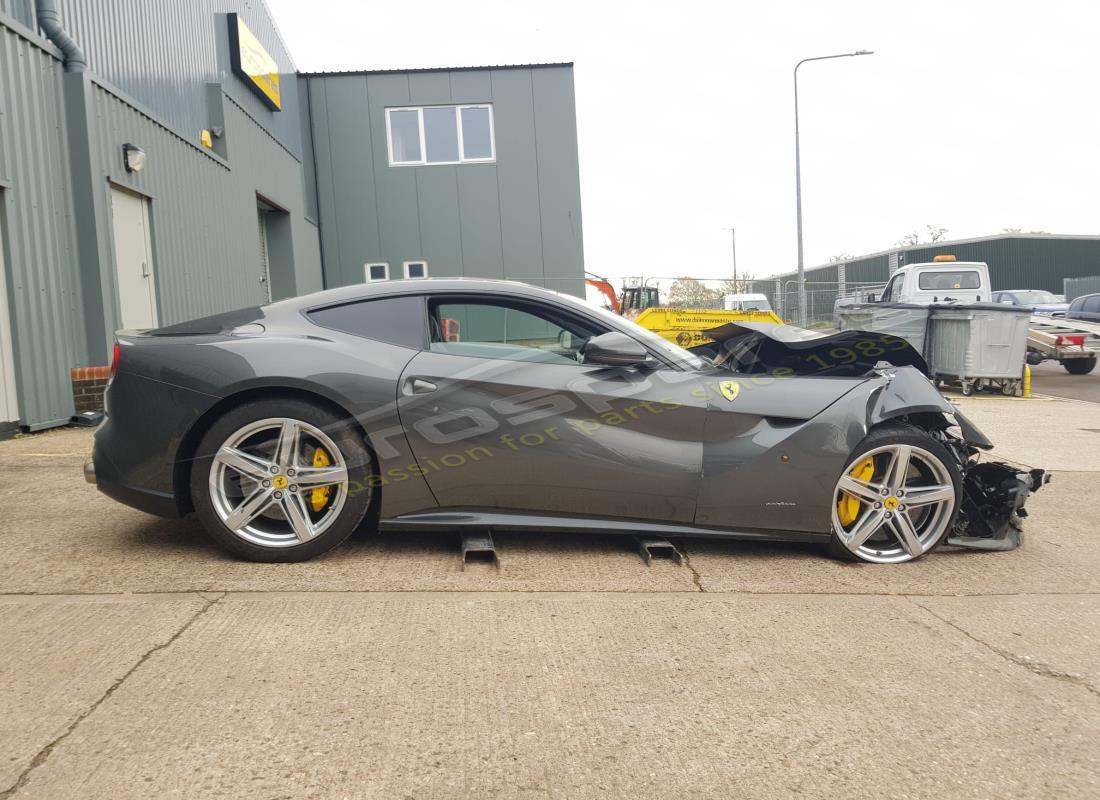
x=896, y=499
x=1079, y=366
x=281, y=480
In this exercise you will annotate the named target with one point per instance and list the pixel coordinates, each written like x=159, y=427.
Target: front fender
x=905, y=392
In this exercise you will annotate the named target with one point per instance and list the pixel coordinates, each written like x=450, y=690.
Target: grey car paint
x=764, y=462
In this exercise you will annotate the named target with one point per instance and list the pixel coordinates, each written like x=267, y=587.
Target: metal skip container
x=978, y=345
x=909, y=322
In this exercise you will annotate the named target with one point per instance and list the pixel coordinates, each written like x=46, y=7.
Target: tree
x=690, y=293
x=934, y=233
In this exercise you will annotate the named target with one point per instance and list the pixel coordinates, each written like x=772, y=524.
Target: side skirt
x=460, y=519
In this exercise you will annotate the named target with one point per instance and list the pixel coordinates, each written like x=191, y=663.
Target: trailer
x=1073, y=343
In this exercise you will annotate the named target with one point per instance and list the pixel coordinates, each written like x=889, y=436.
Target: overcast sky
x=974, y=116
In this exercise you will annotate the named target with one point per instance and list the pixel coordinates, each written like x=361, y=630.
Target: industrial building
x=165, y=161
x=1016, y=261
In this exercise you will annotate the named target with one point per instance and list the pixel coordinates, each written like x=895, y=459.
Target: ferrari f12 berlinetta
x=453, y=404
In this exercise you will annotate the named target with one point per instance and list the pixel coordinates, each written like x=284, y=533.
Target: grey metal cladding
x=43, y=286
x=22, y=11
x=193, y=190
x=517, y=218
x=520, y=214
x=559, y=191
x=162, y=53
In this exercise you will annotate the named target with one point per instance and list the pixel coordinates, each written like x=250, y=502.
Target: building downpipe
x=49, y=20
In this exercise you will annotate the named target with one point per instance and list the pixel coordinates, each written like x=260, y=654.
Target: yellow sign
x=730, y=389
x=253, y=64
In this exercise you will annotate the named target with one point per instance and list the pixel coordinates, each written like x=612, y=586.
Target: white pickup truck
x=1072, y=343
x=938, y=282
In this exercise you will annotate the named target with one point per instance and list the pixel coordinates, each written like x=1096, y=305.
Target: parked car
x=460, y=404
x=1039, y=301
x=1086, y=307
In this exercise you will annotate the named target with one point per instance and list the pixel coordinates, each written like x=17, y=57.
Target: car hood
x=755, y=347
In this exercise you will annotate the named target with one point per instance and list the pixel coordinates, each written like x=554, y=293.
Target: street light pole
x=798, y=179
x=733, y=241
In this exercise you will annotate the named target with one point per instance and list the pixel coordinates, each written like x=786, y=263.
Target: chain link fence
x=822, y=298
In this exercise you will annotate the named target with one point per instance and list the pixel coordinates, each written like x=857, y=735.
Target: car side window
x=508, y=330
x=395, y=320
x=1092, y=305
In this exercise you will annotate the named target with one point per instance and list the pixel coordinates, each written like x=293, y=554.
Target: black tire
x=897, y=433
x=1079, y=366
x=342, y=432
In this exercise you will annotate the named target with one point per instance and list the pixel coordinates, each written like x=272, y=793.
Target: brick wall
x=88, y=386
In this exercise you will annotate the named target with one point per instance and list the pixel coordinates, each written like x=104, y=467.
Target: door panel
x=133, y=260
x=9, y=411
x=557, y=438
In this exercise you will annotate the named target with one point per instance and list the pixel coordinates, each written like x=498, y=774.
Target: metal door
x=9, y=410
x=137, y=297
x=265, y=267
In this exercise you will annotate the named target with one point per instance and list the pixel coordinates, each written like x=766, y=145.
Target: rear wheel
x=1079, y=366
x=281, y=480
x=896, y=499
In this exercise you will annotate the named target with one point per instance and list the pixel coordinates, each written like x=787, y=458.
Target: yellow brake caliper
x=318, y=497
x=847, y=508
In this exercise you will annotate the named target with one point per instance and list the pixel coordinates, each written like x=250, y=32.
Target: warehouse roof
x=434, y=69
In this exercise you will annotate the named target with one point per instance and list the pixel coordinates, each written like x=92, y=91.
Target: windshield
x=1037, y=297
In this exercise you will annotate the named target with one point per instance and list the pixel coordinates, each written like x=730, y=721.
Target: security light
x=134, y=157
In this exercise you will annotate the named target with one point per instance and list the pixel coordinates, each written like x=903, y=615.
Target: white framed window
x=416, y=269
x=420, y=135
x=376, y=271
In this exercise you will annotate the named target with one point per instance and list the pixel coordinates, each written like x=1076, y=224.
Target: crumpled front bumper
x=993, y=501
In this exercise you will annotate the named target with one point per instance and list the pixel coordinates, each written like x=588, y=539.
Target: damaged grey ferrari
x=875, y=491
x=471, y=405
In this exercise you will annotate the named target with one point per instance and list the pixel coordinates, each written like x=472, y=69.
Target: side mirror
x=872, y=298
x=614, y=349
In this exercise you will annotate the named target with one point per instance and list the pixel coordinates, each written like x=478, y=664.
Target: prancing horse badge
x=729, y=389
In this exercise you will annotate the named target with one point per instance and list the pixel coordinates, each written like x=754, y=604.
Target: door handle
x=145, y=269
x=419, y=386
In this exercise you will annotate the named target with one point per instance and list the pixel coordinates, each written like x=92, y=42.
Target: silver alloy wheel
x=904, y=508
x=259, y=482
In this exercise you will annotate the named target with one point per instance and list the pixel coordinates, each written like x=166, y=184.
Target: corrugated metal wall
x=162, y=53
x=205, y=241
x=44, y=292
x=1075, y=287
x=517, y=218
x=22, y=11
x=206, y=251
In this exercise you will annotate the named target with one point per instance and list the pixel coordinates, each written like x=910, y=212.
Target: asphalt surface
x=1050, y=378
x=136, y=660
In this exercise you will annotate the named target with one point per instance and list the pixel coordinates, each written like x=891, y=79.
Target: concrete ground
x=1050, y=378
x=138, y=661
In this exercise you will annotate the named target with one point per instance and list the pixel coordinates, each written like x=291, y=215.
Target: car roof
x=416, y=286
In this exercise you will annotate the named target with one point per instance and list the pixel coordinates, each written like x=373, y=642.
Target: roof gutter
x=49, y=20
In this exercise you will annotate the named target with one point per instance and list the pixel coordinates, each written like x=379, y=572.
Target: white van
x=745, y=302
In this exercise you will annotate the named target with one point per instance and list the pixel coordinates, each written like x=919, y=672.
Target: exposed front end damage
x=993, y=506
x=994, y=493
